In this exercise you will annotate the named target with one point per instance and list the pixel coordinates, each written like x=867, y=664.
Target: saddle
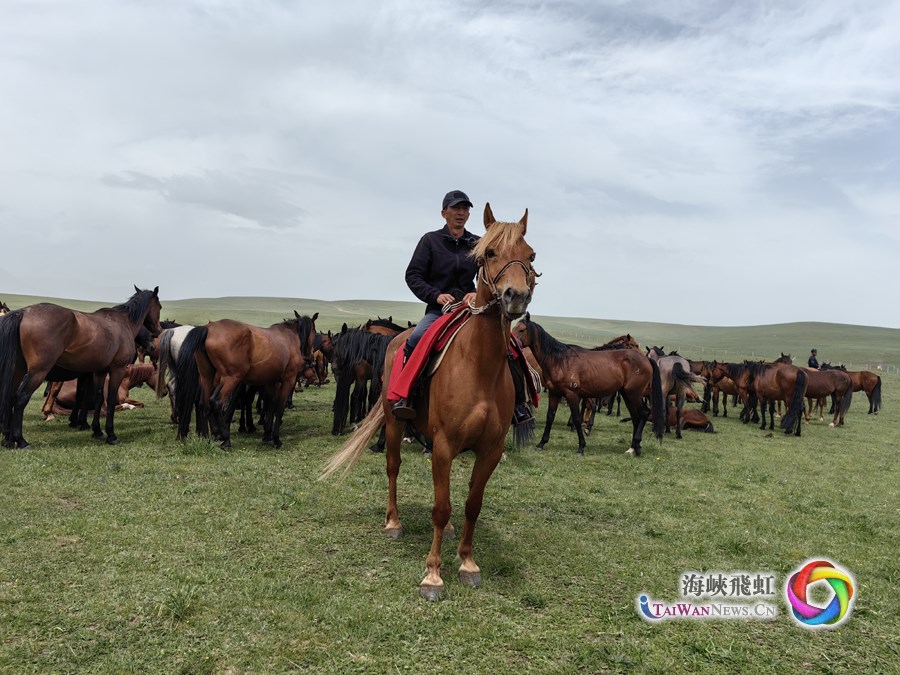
x=429, y=352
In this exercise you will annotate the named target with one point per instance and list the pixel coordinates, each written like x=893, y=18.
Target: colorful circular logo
x=812, y=616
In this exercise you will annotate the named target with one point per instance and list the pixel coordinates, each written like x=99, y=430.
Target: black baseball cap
x=455, y=198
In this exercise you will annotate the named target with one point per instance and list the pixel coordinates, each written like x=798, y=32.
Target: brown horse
x=471, y=397
x=46, y=341
x=863, y=380
x=62, y=398
x=831, y=383
x=214, y=359
x=573, y=372
x=770, y=382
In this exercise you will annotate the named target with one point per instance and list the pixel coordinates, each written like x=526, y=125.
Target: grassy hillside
x=856, y=346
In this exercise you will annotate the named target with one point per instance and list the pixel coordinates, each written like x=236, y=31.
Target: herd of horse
x=466, y=402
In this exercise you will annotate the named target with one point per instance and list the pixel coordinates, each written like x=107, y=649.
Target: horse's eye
x=490, y=253
x=531, y=257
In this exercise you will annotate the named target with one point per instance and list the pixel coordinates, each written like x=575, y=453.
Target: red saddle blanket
x=432, y=342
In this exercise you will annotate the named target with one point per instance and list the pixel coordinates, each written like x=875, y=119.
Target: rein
x=530, y=275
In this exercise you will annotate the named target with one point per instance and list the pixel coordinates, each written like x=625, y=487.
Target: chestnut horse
x=863, y=380
x=471, y=397
x=214, y=359
x=573, y=372
x=46, y=341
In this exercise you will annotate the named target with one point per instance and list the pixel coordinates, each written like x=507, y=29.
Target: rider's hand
x=444, y=298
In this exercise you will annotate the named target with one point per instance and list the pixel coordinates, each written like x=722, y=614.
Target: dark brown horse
x=828, y=383
x=46, y=341
x=571, y=373
x=216, y=358
x=471, y=397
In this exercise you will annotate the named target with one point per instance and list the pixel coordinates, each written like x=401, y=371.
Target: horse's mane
x=304, y=326
x=136, y=306
x=735, y=370
x=168, y=323
x=500, y=236
x=551, y=347
x=386, y=323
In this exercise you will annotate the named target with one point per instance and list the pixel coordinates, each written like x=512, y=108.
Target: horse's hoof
x=97, y=434
x=112, y=440
x=23, y=444
x=831, y=425
x=472, y=579
x=225, y=445
x=630, y=451
x=539, y=446
x=394, y=532
x=431, y=593
x=277, y=445
x=580, y=452
x=376, y=448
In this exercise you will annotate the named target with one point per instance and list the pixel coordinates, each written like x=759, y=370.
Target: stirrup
x=403, y=410
x=522, y=414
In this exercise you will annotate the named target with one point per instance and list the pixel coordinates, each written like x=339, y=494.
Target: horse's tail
x=187, y=378
x=876, y=395
x=10, y=353
x=848, y=397
x=164, y=358
x=686, y=377
x=657, y=403
x=356, y=445
x=795, y=410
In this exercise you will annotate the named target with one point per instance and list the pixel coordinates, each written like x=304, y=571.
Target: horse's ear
x=296, y=316
x=344, y=328
x=524, y=222
x=528, y=316
x=488, y=216
x=315, y=316
x=156, y=292
x=136, y=289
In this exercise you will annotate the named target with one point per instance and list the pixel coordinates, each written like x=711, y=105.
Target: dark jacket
x=813, y=362
x=441, y=264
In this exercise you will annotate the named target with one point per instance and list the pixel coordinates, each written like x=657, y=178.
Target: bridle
x=491, y=282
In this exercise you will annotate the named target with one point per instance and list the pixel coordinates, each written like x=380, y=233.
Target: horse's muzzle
x=514, y=303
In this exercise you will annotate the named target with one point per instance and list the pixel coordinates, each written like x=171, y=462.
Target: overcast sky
x=716, y=163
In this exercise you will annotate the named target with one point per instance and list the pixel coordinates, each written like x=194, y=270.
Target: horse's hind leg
x=393, y=436
x=30, y=382
x=572, y=399
x=552, y=405
x=97, y=388
x=640, y=413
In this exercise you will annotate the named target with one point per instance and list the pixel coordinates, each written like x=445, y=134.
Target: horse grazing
x=573, y=372
x=677, y=378
x=863, y=380
x=828, y=382
x=471, y=397
x=46, y=341
x=216, y=358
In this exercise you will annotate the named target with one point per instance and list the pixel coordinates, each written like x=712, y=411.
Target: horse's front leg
x=112, y=396
x=572, y=399
x=679, y=405
x=279, y=404
x=432, y=586
x=552, y=405
x=762, y=410
x=485, y=463
x=98, y=396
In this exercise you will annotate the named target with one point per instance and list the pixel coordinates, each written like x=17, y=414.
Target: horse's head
x=150, y=300
x=504, y=261
x=655, y=352
x=4, y=308
x=306, y=329
x=784, y=358
x=520, y=331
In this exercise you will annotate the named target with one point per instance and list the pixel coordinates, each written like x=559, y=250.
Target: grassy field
x=159, y=556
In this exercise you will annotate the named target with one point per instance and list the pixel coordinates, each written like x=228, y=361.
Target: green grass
x=158, y=556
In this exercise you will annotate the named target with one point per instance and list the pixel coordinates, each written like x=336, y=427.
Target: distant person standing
x=813, y=362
